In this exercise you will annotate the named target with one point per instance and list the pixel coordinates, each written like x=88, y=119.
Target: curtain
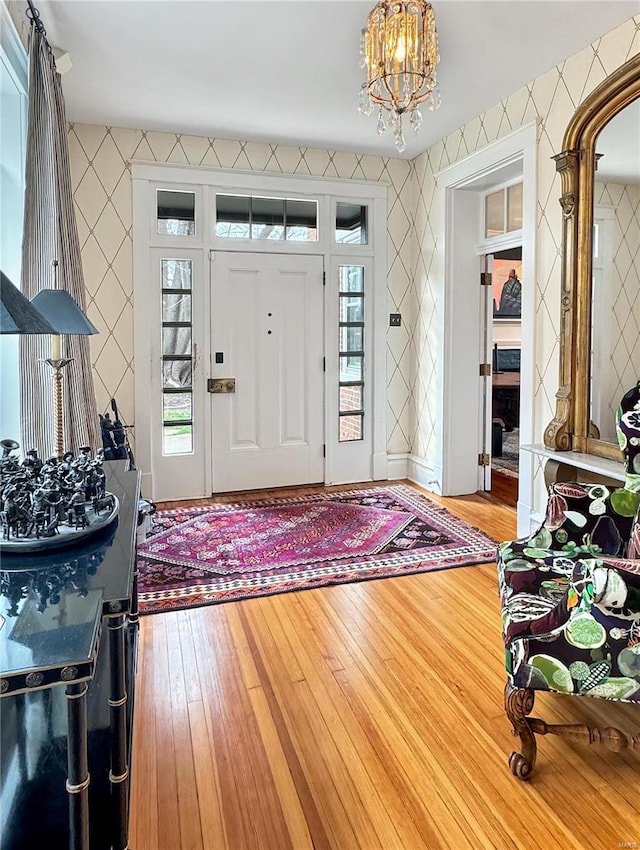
x=50, y=233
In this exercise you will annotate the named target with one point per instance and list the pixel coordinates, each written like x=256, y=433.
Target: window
x=252, y=217
x=176, y=213
x=13, y=121
x=351, y=224
x=351, y=353
x=503, y=211
x=177, y=357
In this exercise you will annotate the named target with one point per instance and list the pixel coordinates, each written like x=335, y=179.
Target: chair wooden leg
x=518, y=702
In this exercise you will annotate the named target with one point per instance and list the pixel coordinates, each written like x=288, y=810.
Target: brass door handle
x=221, y=385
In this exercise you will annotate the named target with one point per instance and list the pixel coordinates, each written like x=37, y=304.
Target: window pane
x=176, y=213
x=351, y=338
x=351, y=278
x=351, y=398
x=350, y=368
x=351, y=224
x=248, y=217
x=302, y=221
x=233, y=216
x=176, y=374
x=177, y=439
x=350, y=428
x=514, y=207
x=176, y=340
x=352, y=308
x=176, y=308
x=494, y=214
x=267, y=218
x=176, y=274
x=177, y=407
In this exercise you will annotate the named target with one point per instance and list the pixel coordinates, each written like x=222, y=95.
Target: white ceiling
x=286, y=71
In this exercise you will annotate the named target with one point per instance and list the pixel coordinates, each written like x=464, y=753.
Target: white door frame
x=458, y=438
x=205, y=181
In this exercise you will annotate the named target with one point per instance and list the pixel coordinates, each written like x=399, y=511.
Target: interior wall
x=553, y=98
x=102, y=193
x=415, y=235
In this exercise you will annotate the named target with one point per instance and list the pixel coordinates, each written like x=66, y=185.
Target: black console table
x=70, y=618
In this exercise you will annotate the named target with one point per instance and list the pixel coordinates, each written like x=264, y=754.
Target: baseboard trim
x=146, y=484
x=397, y=466
x=535, y=518
x=422, y=474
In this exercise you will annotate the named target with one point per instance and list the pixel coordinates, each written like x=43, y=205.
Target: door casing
x=458, y=442
x=205, y=182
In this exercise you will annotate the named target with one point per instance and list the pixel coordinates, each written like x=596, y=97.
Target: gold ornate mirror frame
x=571, y=428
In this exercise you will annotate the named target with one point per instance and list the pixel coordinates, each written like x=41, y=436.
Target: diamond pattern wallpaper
x=102, y=186
x=553, y=98
x=101, y=176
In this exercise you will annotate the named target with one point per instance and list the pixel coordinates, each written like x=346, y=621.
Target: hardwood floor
x=359, y=717
x=504, y=488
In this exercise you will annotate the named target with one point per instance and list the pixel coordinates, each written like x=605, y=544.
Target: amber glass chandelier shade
x=399, y=49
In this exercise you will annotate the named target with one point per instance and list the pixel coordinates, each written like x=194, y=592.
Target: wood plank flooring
x=361, y=717
x=504, y=488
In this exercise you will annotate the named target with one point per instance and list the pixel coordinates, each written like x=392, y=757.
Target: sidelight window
x=351, y=353
x=177, y=357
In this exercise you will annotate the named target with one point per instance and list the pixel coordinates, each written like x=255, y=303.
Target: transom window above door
x=351, y=224
x=253, y=217
x=176, y=212
x=503, y=211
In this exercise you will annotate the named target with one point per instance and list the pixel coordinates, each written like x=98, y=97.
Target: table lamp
x=66, y=317
x=17, y=313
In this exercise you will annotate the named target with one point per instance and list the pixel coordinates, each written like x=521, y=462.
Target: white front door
x=267, y=334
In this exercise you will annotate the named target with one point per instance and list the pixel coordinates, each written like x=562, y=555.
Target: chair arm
x=587, y=515
x=610, y=584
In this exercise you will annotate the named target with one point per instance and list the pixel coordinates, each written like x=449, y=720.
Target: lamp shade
x=17, y=313
x=61, y=310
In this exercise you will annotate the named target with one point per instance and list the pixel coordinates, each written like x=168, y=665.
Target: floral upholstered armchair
x=570, y=599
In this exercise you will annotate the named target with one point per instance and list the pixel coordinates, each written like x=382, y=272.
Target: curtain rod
x=34, y=17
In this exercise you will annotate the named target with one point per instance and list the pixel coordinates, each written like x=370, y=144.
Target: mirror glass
x=615, y=304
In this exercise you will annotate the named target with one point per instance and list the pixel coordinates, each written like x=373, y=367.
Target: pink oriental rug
x=226, y=552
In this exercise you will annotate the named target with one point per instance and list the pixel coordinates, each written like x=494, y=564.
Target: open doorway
x=506, y=344
x=462, y=439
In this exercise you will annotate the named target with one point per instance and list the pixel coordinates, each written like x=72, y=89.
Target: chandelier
x=399, y=49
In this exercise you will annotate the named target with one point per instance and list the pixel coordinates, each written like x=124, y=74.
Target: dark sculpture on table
x=51, y=503
x=115, y=442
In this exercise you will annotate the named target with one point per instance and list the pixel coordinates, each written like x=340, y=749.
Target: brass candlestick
x=57, y=366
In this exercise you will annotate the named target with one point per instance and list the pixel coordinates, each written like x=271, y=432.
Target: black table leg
x=119, y=773
x=77, y=766
x=134, y=614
